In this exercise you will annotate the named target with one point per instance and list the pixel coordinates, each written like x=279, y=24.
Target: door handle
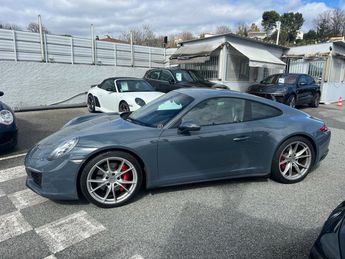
x=244, y=138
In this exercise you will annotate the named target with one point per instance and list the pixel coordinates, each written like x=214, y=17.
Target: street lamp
x=278, y=23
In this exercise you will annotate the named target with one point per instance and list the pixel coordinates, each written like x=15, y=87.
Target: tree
x=310, y=36
x=330, y=23
x=291, y=23
x=10, y=27
x=254, y=28
x=223, y=29
x=242, y=30
x=34, y=27
x=269, y=19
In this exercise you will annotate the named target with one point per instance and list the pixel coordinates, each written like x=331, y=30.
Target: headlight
x=63, y=148
x=6, y=117
x=140, y=101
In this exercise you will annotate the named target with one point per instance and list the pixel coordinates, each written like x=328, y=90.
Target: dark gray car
x=185, y=136
x=291, y=89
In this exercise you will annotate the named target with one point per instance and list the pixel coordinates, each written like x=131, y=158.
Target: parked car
x=169, y=79
x=120, y=94
x=8, y=127
x=331, y=241
x=291, y=89
x=187, y=135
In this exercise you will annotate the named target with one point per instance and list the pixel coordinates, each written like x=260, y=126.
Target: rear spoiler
x=93, y=85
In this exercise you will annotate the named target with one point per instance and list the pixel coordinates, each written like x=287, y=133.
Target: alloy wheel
x=292, y=101
x=112, y=180
x=91, y=103
x=124, y=107
x=295, y=160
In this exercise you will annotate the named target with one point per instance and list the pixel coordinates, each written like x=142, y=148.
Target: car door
x=108, y=96
x=304, y=89
x=152, y=77
x=166, y=81
x=219, y=149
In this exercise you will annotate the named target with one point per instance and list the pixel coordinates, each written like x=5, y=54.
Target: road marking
x=50, y=257
x=25, y=198
x=137, y=257
x=12, y=224
x=69, y=230
x=12, y=173
x=11, y=157
x=2, y=193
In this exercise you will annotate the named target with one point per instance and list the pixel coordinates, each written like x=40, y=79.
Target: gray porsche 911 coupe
x=185, y=136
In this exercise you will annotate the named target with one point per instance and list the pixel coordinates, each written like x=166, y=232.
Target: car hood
x=87, y=126
x=196, y=84
x=265, y=88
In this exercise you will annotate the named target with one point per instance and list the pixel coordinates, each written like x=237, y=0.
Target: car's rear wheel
x=123, y=107
x=91, y=103
x=291, y=101
x=293, y=160
x=111, y=179
x=316, y=101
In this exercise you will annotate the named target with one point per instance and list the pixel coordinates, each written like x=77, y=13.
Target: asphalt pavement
x=247, y=218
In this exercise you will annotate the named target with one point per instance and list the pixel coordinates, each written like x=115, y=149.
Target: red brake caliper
x=282, y=166
x=125, y=176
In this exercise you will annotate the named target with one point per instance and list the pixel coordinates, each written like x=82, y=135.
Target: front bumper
x=55, y=180
x=274, y=97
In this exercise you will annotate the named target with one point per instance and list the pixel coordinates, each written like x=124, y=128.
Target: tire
x=285, y=161
x=123, y=107
x=91, y=106
x=291, y=101
x=316, y=101
x=115, y=187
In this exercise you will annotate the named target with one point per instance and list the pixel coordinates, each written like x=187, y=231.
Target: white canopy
x=193, y=54
x=258, y=57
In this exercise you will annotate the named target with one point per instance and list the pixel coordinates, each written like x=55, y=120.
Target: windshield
x=182, y=76
x=196, y=76
x=133, y=86
x=280, y=79
x=160, y=111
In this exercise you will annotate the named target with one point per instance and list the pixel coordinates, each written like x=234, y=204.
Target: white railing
x=27, y=46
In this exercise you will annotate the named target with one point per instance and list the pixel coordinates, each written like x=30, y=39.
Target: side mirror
x=302, y=84
x=188, y=126
x=1, y=93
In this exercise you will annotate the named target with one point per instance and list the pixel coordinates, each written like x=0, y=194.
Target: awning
x=193, y=54
x=259, y=57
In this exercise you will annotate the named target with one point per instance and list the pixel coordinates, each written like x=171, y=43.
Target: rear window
x=262, y=111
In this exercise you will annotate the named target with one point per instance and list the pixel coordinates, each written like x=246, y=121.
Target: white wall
x=30, y=84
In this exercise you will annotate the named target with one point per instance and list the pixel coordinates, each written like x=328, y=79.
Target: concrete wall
x=30, y=84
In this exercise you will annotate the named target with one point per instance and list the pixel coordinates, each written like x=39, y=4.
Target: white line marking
x=11, y=157
x=68, y=231
x=2, y=193
x=136, y=257
x=25, y=198
x=12, y=173
x=13, y=224
x=50, y=257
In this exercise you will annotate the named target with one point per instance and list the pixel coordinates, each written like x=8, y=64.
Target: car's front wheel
x=291, y=101
x=316, y=101
x=91, y=103
x=123, y=107
x=293, y=160
x=111, y=179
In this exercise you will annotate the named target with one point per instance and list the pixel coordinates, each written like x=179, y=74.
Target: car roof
x=124, y=78
x=203, y=93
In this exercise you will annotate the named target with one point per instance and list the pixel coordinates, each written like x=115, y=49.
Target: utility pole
x=278, y=23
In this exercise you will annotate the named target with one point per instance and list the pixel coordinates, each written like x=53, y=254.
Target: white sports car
x=120, y=94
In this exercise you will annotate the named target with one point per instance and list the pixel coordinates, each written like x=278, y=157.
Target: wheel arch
x=304, y=135
x=109, y=149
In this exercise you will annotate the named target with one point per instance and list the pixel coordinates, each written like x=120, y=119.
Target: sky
x=166, y=17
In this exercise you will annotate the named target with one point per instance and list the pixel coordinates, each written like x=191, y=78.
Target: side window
x=154, y=74
x=217, y=111
x=108, y=85
x=262, y=111
x=165, y=76
x=311, y=80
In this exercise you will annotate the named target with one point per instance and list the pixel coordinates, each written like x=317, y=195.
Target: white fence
x=29, y=46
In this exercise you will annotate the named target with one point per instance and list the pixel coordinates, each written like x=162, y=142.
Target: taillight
x=324, y=128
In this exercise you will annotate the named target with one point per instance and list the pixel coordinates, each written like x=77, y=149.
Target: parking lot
x=247, y=218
